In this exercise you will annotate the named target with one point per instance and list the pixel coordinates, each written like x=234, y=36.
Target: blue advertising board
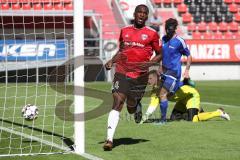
x=33, y=50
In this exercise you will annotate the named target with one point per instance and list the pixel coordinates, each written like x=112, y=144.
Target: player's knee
x=163, y=97
x=131, y=109
x=118, y=105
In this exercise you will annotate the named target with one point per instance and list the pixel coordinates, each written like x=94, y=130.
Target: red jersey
x=138, y=46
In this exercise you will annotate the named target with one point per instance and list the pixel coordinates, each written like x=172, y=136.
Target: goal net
x=36, y=45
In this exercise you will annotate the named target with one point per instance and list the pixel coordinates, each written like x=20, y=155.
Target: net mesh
x=35, y=40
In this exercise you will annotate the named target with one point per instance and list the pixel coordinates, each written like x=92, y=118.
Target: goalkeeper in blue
x=187, y=101
x=173, y=47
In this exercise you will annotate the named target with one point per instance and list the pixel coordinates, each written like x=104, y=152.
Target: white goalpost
x=79, y=127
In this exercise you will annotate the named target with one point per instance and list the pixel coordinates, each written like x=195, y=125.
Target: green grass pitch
x=215, y=139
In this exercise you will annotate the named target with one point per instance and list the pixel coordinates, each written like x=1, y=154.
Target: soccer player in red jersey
x=137, y=43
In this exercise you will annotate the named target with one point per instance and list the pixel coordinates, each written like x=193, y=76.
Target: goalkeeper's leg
x=209, y=115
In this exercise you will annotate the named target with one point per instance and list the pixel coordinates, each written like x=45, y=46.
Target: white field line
x=34, y=138
x=221, y=105
x=65, y=149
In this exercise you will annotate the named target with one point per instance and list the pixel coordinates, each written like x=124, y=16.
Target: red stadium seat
x=202, y=27
x=237, y=1
x=167, y=2
x=9, y=1
x=196, y=35
x=182, y=8
x=233, y=26
x=26, y=6
x=58, y=6
x=4, y=6
x=213, y=26
x=186, y=18
x=223, y=27
x=237, y=35
x=228, y=35
x=237, y=17
x=228, y=1
x=192, y=27
x=16, y=6
x=217, y=35
x=177, y=2
x=69, y=6
x=233, y=8
x=37, y=6
x=207, y=35
x=158, y=1
x=48, y=6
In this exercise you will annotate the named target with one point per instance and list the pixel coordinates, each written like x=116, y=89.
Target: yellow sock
x=206, y=116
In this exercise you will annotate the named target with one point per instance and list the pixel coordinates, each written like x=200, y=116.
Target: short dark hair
x=141, y=5
x=171, y=22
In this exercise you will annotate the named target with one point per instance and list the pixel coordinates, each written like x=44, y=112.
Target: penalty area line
x=221, y=105
x=65, y=149
x=34, y=138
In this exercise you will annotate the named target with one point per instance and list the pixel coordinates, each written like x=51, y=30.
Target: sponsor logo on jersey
x=134, y=44
x=144, y=36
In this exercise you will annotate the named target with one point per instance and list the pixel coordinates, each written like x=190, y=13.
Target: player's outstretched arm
x=186, y=72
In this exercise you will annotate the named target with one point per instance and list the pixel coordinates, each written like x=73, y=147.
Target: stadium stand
x=207, y=35
x=237, y=17
x=223, y=27
x=196, y=35
x=186, y=18
x=110, y=27
x=182, y=8
x=228, y=35
x=233, y=27
x=192, y=27
x=228, y=1
x=220, y=18
x=202, y=27
x=233, y=8
x=36, y=4
x=218, y=35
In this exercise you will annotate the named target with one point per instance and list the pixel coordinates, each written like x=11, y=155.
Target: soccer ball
x=30, y=112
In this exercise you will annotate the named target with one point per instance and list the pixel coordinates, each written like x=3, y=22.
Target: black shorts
x=132, y=88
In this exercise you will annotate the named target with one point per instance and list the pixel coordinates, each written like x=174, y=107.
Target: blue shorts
x=170, y=83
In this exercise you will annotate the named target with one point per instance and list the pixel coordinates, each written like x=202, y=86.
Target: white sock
x=113, y=119
x=150, y=110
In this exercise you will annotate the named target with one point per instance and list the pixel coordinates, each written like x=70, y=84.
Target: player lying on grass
x=187, y=101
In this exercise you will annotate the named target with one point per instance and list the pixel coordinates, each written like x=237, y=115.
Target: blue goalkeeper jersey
x=173, y=50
